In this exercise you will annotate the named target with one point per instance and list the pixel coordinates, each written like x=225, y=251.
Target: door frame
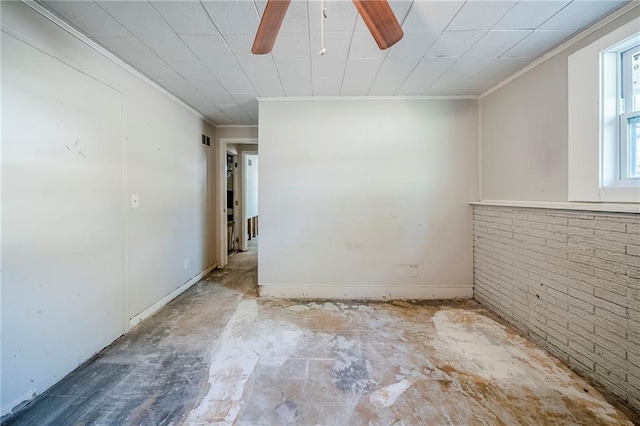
x=221, y=194
x=244, y=241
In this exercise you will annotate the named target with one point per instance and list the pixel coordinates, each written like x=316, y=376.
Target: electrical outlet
x=413, y=271
x=186, y=263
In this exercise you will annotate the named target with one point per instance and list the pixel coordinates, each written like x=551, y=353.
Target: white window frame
x=626, y=111
x=594, y=120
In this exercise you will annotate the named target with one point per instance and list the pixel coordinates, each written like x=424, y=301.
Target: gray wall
x=524, y=135
x=81, y=134
x=569, y=280
x=367, y=198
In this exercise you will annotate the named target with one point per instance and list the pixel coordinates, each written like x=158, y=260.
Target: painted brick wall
x=569, y=280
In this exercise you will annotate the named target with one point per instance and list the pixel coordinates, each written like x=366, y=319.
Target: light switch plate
x=135, y=201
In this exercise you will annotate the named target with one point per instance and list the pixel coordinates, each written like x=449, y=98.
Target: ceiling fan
x=376, y=14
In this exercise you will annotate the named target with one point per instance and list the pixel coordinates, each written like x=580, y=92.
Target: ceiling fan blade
x=381, y=21
x=269, y=26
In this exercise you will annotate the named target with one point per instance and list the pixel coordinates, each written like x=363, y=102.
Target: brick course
x=569, y=280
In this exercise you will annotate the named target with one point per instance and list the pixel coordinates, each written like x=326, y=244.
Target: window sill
x=633, y=208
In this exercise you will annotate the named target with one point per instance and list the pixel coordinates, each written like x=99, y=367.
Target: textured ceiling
x=201, y=50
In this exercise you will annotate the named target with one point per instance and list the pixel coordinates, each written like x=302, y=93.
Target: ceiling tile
x=128, y=48
x=413, y=45
x=88, y=17
x=219, y=119
x=191, y=70
x=245, y=98
x=237, y=84
x=327, y=86
x=529, y=15
x=414, y=86
x=268, y=87
x=198, y=102
x=297, y=18
x=363, y=46
x=258, y=66
x=501, y=69
x=397, y=67
x=295, y=21
x=237, y=114
x=336, y=43
x=226, y=71
x=537, y=43
x=446, y=85
x=383, y=86
x=494, y=43
x=297, y=86
x=580, y=14
x=356, y=86
x=400, y=9
x=362, y=68
x=213, y=90
x=432, y=67
x=454, y=43
x=292, y=46
x=138, y=17
x=158, y=71
x=341, y=16
x=480, y=15
x=449, y=47
x=169, y=48
x=181, y=88
x=212, y=110
x=468, y=66
x=240, y=44
x=185, y=17
x=209, y=48
x=324, y=67
x=431, y=15
x=233, y=17
x=294, y=68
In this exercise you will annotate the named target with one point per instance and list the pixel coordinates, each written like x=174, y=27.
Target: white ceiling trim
x=362, y=98
x=570, y=42
x=98, y=48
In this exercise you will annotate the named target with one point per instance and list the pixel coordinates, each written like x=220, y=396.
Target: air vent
x=206, y=140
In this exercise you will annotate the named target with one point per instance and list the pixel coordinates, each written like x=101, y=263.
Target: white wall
x=251, y=199
x=81, y=134
x=359, y=196
x=525, y=130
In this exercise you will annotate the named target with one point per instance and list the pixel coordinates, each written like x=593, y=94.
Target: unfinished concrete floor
x=218, y=355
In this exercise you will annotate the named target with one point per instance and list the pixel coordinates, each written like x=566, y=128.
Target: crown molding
x=363, y=98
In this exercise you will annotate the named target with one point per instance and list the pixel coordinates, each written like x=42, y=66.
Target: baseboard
x=365, y=292
x=168, y=298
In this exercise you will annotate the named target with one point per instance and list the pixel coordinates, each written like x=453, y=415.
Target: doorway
x=233, y=156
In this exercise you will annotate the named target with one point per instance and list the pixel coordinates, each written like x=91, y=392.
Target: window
x=630, y=114
x=604, y=118
x=620, y=121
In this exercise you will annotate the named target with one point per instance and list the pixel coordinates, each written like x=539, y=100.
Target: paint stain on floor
x=219, y=355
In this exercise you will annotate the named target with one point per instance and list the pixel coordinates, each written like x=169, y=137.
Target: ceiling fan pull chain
x=323, y=16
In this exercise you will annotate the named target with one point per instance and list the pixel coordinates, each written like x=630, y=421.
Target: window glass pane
x=634, y=147
x=635, y=75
